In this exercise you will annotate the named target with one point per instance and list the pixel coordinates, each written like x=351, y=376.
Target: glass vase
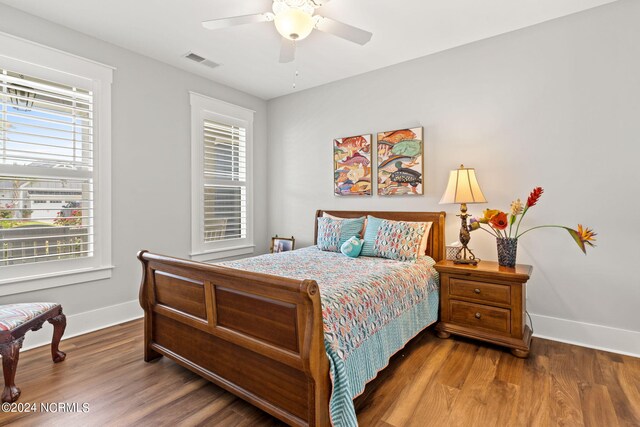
x=507, y=248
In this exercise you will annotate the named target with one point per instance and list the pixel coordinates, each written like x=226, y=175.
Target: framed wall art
x=400, y=162
x=352, y=166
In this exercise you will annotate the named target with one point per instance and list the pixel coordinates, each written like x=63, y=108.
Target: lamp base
x=464, y=255
x=466, y=261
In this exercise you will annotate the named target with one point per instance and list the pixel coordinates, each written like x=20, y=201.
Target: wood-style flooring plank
x=401, y=412
x=596, y=396
x=566, y=407
x=431, y=382
x=531, y=406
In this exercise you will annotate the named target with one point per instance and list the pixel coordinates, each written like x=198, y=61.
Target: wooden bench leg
x=59, y=323
x=10, y=353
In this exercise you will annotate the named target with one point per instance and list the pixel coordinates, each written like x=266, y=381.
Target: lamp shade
x=463, y=187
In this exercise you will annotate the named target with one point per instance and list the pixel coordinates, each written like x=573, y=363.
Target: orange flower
x=586, y=234
x=499, y=221
x=488, y=214
x=583, y=236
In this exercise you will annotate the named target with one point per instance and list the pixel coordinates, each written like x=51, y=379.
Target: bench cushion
x=14, y=315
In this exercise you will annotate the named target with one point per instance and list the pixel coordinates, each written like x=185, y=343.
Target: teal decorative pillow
x=399, y=240
x=352, y=247
x=332, y=233
x=373, y=224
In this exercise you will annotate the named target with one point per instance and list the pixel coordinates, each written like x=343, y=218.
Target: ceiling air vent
x=201, y=60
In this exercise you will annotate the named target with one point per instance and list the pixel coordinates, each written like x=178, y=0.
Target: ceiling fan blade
x=216, y=24
x=287, y=51
x=347, y=32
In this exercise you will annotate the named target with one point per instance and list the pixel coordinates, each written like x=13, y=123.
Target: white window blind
x=46, y=170
x=225, y=181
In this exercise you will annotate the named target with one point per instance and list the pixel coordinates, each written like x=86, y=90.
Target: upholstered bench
x=15, y=321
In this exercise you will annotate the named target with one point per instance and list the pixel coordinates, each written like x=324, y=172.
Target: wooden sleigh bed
x=256, y=335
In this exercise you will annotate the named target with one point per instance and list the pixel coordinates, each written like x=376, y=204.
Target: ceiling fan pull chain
x=295, y=66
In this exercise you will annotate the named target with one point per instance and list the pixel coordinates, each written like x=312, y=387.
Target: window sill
x=53, y=280
x=216, y=254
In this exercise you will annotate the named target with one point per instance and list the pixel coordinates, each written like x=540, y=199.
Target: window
x=225, y=182
x=54, y=168
x=221, y=179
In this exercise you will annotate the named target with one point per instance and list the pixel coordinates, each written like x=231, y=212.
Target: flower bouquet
x=501, y=225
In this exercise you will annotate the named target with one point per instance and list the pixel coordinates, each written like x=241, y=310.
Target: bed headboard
x=436, y=246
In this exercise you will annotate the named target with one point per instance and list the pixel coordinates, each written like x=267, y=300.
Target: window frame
x=55, y=65
x=204, y=107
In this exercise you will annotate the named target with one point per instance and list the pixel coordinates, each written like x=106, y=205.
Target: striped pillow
x=373, y=224
x=332, y=233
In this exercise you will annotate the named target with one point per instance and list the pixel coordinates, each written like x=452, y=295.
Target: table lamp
x=463, y=188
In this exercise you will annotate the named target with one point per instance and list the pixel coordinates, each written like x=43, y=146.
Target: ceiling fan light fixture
x=294, y=24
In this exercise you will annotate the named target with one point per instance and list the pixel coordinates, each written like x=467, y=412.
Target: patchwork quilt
x=371, y=307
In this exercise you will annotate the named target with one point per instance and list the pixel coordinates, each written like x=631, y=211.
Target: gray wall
x=554, y=105
x=151, y=159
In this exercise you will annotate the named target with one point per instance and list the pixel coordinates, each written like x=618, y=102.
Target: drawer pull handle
x=476, y=290
x=478, y=315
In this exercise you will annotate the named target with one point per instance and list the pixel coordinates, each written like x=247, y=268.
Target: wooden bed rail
x=256, y=335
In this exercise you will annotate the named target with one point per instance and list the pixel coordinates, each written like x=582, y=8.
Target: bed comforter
x=371, y=307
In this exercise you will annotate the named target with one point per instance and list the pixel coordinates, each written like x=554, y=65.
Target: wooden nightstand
x=486, y=302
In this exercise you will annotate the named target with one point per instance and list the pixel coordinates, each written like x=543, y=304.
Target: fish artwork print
x=400, y=162
x=352, y=166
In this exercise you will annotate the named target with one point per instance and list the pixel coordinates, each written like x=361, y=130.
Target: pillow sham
x=399, y=240
x=371, y=233
x=332, y=233
x=352, y=247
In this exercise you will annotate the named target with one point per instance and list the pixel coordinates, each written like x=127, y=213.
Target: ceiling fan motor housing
x=307, y=6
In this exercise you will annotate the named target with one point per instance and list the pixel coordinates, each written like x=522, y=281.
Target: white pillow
x=425, y=239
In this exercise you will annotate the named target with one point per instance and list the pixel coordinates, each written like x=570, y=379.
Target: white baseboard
x=600, y=337
x=82, y=323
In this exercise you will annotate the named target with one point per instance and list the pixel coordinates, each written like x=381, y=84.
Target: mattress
x=371, y=307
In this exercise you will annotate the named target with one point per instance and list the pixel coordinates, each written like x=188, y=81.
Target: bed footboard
x=258, y=336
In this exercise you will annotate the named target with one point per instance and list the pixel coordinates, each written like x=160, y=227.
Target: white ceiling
x=402, y=30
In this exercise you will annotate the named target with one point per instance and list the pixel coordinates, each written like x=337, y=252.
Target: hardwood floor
x=432, y=382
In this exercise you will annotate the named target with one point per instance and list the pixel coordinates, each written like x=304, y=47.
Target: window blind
x=225, y=182
x=46, y=170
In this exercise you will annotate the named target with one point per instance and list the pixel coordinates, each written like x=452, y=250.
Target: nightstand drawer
x=480, y=316
x=480, y=291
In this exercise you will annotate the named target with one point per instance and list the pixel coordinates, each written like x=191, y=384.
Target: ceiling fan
x=294, y=20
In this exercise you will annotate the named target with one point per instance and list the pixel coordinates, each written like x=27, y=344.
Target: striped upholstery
x=14, y=315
